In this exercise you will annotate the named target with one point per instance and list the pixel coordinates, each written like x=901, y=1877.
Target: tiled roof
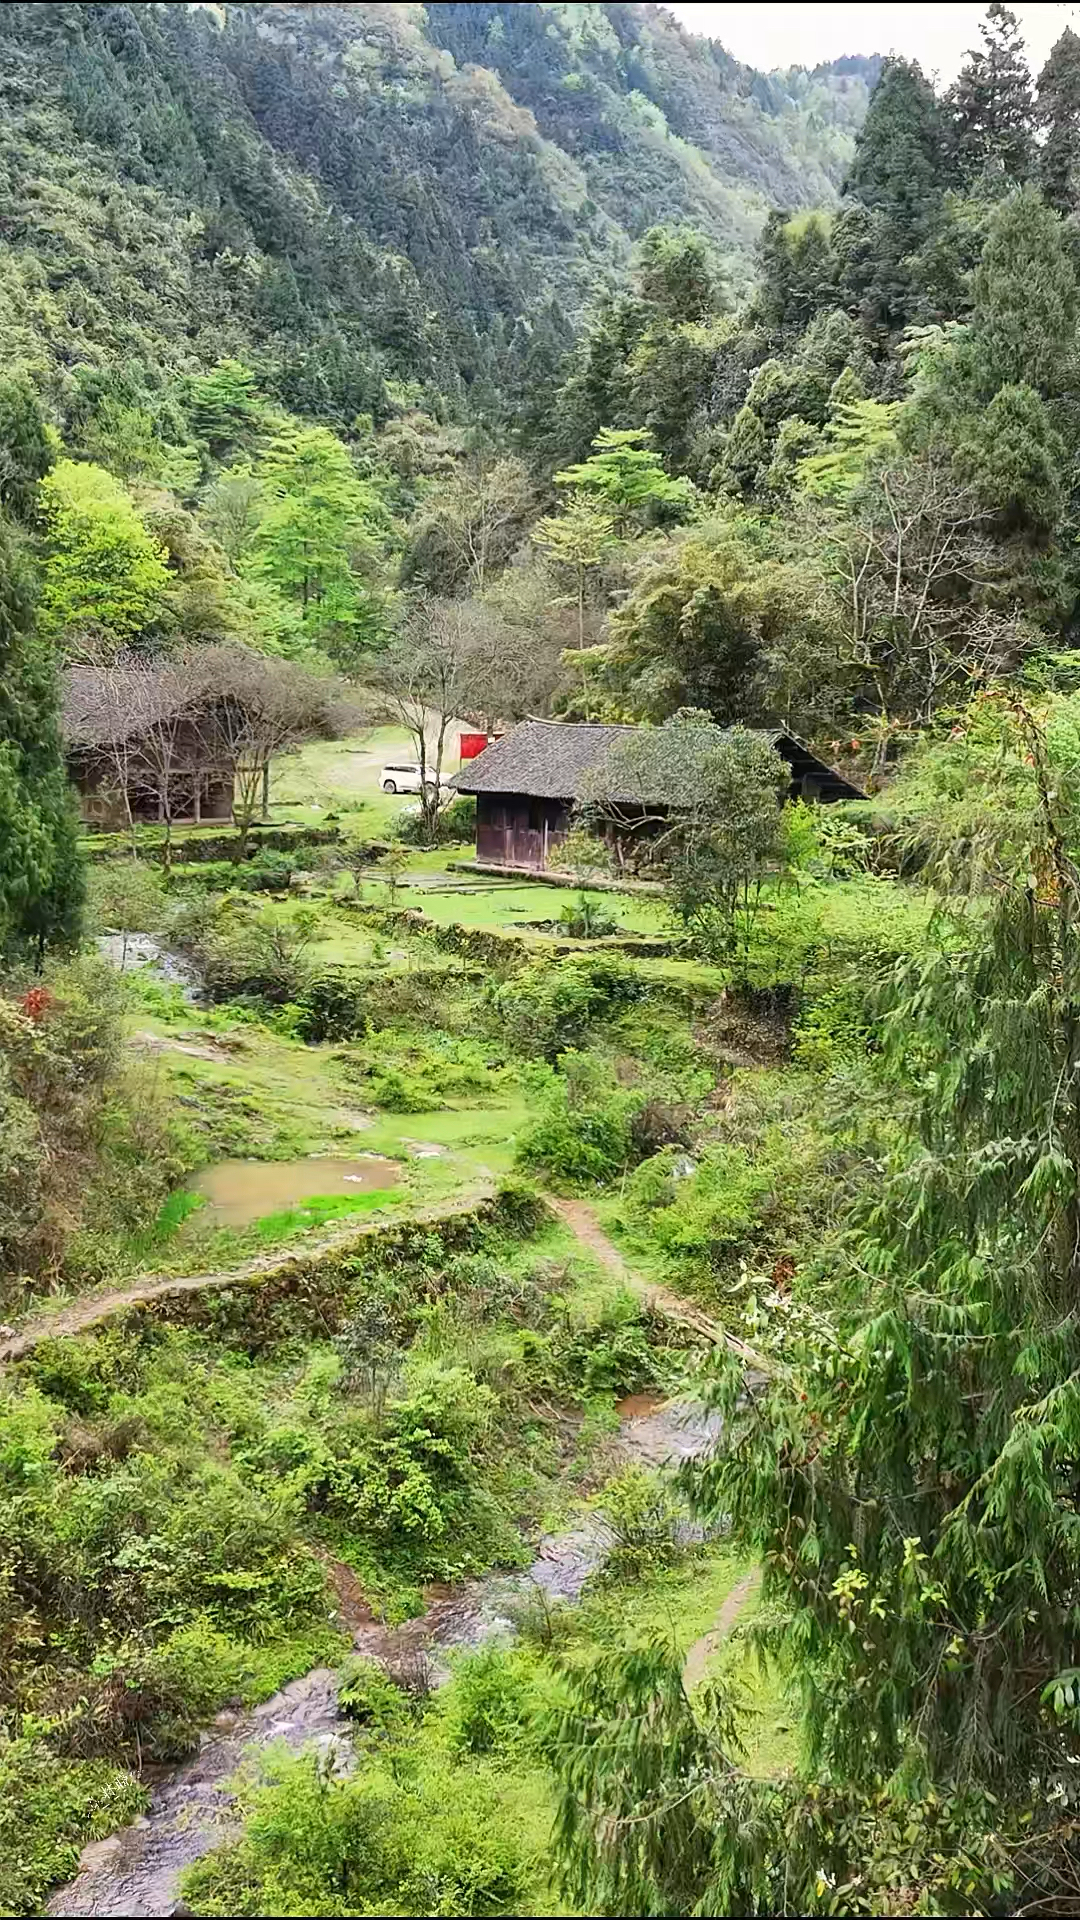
x=546, y=758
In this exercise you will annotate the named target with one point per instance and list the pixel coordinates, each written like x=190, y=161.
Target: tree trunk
x=581, y=640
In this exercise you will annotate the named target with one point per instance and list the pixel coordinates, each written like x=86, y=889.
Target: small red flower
x=36, y=1003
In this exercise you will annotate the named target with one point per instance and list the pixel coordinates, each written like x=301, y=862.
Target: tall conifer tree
x=1058, y=112
x=991, y=103
x=897, y=168
x=39, y=870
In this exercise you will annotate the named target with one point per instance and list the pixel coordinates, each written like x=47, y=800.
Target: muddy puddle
x=240, y=1191
x=136, y=1871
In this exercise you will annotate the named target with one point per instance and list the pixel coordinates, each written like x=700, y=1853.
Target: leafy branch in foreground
x=906, y=1475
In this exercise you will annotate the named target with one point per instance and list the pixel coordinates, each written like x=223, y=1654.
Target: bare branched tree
x=157, y=722
x=485, y=514
x=252, y=707
x=918, y=576
x=118, y=746
x=438, y=670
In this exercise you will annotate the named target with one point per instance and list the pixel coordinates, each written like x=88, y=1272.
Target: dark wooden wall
x=196, y=792
x=513, y=830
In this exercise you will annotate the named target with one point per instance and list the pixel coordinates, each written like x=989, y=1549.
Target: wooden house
x=528, y=783
x=141, y=745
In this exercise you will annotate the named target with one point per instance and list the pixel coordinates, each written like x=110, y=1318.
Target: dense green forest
x=355, y=196
x=382, y=368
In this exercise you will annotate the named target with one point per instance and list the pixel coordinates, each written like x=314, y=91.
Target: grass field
x=523, y=904
x=342, y=777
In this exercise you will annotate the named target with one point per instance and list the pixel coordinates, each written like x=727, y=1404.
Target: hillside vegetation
x=352, y=195
x=374, y=370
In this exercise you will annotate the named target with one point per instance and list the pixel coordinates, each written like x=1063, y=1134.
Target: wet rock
x=99, y=1853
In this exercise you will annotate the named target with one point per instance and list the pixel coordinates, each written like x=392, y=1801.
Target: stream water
x=128, y=951
x=136, y=1871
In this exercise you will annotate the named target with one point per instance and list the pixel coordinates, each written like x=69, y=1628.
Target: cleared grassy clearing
x=521, y=904
x=343, y=777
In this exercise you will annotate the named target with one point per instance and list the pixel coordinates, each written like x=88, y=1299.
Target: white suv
x=404, y=778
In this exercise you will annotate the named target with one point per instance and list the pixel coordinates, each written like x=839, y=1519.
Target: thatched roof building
x=528, y=782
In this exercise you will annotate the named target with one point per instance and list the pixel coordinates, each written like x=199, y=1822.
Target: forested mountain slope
x=350, y=194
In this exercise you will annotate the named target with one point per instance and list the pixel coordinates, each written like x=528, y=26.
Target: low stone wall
x=507, y=948
x=309, y=1290
x=195, y=844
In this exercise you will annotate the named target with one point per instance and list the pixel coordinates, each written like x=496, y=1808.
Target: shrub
x=548, y=1009
x=492, y=1703
x=49, y=1810
x=241, y=950
x=411, y=1486
x=456, y=823
x=125, y=896
x=333, y=1005
x=762, y=1195
x=81, y=1131
x=582, y=1133
x=585, y=919
x=712, y=1214
x=605, y=1350
x=265, y=872
x=642, y=1518
x=400, y=1092
x=442, y=1844
x=373, y=1700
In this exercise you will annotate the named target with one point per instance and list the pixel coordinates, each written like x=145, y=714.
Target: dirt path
x=586, y=1228
x=91, y=1310
x=699, y=1655
x=584, y=1225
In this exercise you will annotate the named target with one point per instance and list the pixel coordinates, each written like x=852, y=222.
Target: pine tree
x=1058, y=112
x=897, y=168
x=1023, y=324
x=897, y=175
x=991, y=103
x=40, y=887
x=677, y=276
x=26, y=449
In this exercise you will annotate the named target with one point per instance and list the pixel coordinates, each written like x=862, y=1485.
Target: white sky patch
x=936, y=36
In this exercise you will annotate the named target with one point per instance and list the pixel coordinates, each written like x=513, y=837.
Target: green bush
x=86, y=1142
x=373, y=1700
x=243, y=950
x=456, y=824
x=333, y=1005
x=399, y=1092
x=547, y=1009
x=642, y=1518
x=835, y=946
x=586, y=919
x=606, y=1349
x=766, y=1193
x=49, y=1810
x=266, y=872
x=710, y=1216
x=493, y=1702
x=411, y=1488
x=582, y=1134
x=440, y=1845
